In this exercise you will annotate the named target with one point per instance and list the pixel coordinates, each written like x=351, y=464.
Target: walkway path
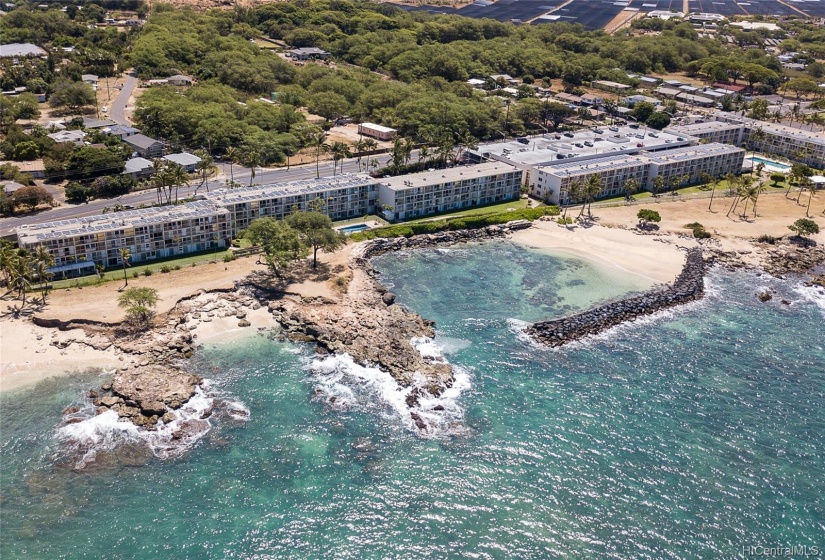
x=119, y=106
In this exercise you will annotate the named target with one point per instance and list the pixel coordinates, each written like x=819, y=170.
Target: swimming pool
x=769, y=163
x=353, y=228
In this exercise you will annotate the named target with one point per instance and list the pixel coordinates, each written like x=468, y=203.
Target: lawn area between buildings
x=159, y=266
x=519, y=204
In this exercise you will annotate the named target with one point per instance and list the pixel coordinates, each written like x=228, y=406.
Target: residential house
x=90, y=79
x=72, y=136
x=308, y=53
x=179, y=80
x=606, y=85
x=188, y=161
x=145, y=146
x=138, y=168
x=121, y=130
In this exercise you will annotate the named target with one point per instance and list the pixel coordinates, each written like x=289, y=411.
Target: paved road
x=119, y=105
x=148, y=197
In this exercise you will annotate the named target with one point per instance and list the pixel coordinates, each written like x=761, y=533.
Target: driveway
x=118, y=109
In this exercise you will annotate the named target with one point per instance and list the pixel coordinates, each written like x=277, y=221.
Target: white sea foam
x=812, y=294
x=343, y=383
x=97, y=433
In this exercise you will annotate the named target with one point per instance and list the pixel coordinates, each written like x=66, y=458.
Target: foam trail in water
x=95, y=433
x=340, y=381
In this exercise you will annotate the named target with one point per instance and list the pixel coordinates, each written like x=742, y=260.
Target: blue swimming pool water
x=778, y=165
x=354, y=228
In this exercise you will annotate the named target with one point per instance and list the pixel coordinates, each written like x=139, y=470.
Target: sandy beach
x=29, y=353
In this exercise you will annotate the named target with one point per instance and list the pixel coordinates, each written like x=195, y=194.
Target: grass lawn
x=481, y=210
x=370, y=218
x=155, y=268
x=721, y=190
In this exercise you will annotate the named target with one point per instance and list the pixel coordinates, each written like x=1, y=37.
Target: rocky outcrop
x=144, y=395
x=687, y=287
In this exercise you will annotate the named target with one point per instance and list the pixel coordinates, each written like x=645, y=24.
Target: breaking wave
x=344, y=384
x=86, y=435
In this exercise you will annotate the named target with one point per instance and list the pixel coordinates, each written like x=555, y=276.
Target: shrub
x=165, y=269
x=147, y=271
x=564, y=221
x=694, y=225
x=229, y=257
x=177, y=267
x=342, y=283
x=700, y=233
x=765, y=238
x=135, y=274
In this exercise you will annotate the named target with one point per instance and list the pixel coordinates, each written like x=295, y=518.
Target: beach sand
x=27, y=354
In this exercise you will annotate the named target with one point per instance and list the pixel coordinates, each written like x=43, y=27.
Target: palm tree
x=231, y=155
x=631, y=186
x=158, y=167
x=21, y=273
x=7, y=256
x=252, y=159
x=714, y=182
x=577, y=192
x=125, y=255
x=339, y=151
x=206, y=166
x=359, y=147
x=658, y=184
x=370, y=145
x=177, y=178
x=423, y=153
x=811, y=192
x=319, y=142
x=593, y=187
x=42, y=262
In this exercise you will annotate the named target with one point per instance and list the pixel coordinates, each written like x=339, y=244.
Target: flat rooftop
x=294, y=188
x=545, y=149
x=597, y=165
x=703, y=127
x=450, y=175
x=779, y=129
x=693, y=152
x=103, y=223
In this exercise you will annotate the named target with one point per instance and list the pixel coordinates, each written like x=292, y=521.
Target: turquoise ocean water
x=687, y=436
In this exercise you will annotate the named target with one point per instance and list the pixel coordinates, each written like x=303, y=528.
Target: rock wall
x=381, y=246
x=687, y=287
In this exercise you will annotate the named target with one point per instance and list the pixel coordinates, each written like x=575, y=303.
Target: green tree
x=139, y=304
x=804, y=227
x=776, y=178
x=206, y=166
x=316, y=232
x=647, y=216
x=232, y=155
x=658, y=120
x=281, y=243
x=319, y=142
x=72, y=95
x=643, y=110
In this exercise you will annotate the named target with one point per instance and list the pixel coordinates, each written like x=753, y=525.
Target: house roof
x=140, y=141
x=11, y=186
x=121, y=129
x=136, y=165
x=183, y=159
x=89, y=122
x=179, y=78
x=21, y=49
x=89, y=78
x=67, y=136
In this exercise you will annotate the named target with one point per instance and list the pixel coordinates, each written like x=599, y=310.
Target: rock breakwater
x=688, y=286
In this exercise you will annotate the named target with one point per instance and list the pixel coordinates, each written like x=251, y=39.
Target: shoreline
x=30, y=354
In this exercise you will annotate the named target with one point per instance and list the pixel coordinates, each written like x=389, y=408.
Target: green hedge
x=463, y=222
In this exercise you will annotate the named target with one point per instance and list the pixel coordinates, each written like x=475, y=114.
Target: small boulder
x=388, y=298
x=764, y=296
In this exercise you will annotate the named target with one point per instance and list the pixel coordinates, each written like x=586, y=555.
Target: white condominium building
x=345, y=196
x=78, y=244
x=686, y=164
x=444, y=190
x=713, y=131
x=804, y=146
x=555, y=182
